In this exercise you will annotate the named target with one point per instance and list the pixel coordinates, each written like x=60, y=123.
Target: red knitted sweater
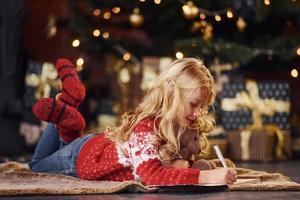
x=138, y=159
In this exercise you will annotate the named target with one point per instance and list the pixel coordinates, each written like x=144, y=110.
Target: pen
x=220, y=156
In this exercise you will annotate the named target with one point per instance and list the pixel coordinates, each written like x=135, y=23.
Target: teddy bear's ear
x=189, y=133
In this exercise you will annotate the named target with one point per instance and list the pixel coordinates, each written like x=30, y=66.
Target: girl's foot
x=70, y=122
x=73, y=91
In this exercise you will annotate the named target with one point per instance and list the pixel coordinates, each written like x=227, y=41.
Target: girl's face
x=193, y=106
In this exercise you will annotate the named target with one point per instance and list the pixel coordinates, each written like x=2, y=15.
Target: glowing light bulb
x=218, y=18
x=79, y=68
x=202, y=16
x=79, y=61
x=76, y=43
x=116, y=10
x=105, y=35
x=229, y=14
x=157, y=1
x=294, y=73
x=107, y=15
x=96, y=33
x=298, y=51
x=179, y=55
x=126, y=56
x=267, y=2
x=96, y=12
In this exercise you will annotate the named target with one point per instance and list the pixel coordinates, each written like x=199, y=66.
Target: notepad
x=247, y=181
x=209, y=186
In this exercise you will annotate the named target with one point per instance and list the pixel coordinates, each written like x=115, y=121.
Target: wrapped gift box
x=239, y=100
x=259, y=144
x=41, y=81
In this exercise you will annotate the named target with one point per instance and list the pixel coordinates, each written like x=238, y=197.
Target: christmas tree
x=243, y=32
x=255, y=37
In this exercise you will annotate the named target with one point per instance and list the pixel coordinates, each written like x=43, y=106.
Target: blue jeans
x=52, y=155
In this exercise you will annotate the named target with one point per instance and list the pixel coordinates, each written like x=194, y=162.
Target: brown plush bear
x=189, y=146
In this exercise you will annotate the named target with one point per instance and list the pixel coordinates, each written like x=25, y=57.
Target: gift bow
x=252, y=101
x=44, y=82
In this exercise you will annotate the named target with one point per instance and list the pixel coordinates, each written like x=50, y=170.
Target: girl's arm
x=147, y=163
x=148, y=166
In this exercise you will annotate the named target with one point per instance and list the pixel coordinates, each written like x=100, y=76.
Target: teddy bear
x=189, y=146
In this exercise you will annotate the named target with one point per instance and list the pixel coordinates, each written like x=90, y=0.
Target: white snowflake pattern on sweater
x=142, y=147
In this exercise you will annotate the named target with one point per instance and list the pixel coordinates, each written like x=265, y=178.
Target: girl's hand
x=217, y=176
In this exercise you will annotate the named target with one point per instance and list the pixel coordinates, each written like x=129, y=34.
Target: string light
x=79, y=68
x=202, y=16
x=126, y=56
x=157, y=1
x=75, y=43
x=189, y=8
x=294, y=73
x=96, y=33
x=267, y=2
x=186, y=9
x=105, y=35
x=136, y=18
x=79, y=61
x=190, y=11
x=107, y=15
x=241, y=24
x=298, y=51
x=229, y=14
x=179, y=55
x=79, y=64
x=187, y=5
x=96, y=12
x=218, y=18
x=116, y=10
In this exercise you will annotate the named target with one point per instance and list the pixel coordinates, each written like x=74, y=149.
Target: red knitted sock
x=69, y=134
x=73, y=91
x=69, y=121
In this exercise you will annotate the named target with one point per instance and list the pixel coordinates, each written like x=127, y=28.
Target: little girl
x=145, y=137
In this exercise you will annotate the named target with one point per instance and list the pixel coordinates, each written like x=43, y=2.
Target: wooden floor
x=289, y=168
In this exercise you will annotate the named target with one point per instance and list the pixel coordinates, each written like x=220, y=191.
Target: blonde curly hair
x=164, y=102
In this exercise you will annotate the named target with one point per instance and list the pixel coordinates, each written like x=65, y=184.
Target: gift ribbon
x=44, y=82
x=250, y=99
x=280, y=137
x=245, y=139
x=245, y=150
